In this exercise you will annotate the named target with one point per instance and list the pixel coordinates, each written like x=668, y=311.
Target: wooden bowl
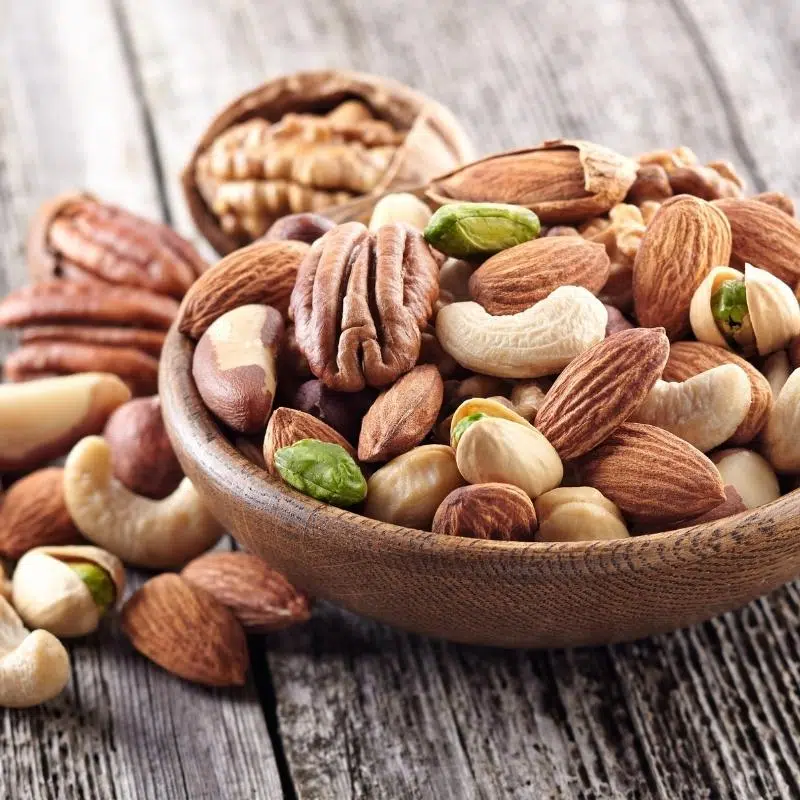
x=467, y=590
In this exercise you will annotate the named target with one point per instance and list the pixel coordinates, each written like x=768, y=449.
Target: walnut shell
x=434, y=142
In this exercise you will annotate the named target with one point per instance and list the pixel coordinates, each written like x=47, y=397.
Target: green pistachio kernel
x=468, y=230
x=322, y=470
x=97, y=581
x=462, y=425
x=729, y=309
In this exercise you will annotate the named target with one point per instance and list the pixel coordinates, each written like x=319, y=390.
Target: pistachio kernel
x=322, y=470
x=469, y=230
x=98, y=582
x=462, y=425
x=730, y=312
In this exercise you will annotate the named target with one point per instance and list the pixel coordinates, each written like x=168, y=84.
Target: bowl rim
x=175, y=379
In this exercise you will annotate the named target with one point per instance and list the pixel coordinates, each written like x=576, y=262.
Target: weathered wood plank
x=70, y=117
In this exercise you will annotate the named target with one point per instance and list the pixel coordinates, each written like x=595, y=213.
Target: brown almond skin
x=259, y=596
x=687, y=359
x=764, y=236
x=402, y=416
x=778, y=200
x=288, y=425
x=732, y=504
x=141, y=452
x=686, y=238
x=651, y=184
x=262, y=273
x=652, y=475
x=600, y=389
x=520, y=276
x=186, y=631
x=234, y=375
x=33, y=514
x=496, y=511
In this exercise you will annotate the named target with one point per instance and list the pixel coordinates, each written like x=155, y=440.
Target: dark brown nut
x=617, y=321
x=252, y=449
x=263, y=273
x=794, y=352
x=82, y=233
x=359, y=303
x=343, y=411
x=561, y=180
x=709, y=183
x=778, y=200
x=305, y=227
x=402, y=416
x=147, y=341
x=652, y=183
x=91, y=303
x=33, y=514
x=137, y=369
x=311, y=140
x=487, y=511
x=287, y=426
x=234, y=366
x=260, y=597
x=141, y=453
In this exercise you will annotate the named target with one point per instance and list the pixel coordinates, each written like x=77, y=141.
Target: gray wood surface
x=110, y=94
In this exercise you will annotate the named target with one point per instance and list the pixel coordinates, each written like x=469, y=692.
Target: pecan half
x=77, y=235
x=149, y=342
x=135, y=368
x=56, y=301
x=360, y=301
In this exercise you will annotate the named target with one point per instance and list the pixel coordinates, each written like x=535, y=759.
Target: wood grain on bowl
x=510, y=594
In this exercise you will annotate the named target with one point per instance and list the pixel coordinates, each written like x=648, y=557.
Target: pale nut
x=40, y=420
x=157, y=534
x=704, y=410
x=234, y=366
x=750, y=474
x=487, y=511
x=67, y=590
x=528, y=396
x=780, y=441
x=777, y=369
x=539, y=341
x=578, y=514
x=495, y=450
x=400, y=207
x=701, y=318
x=34, y=667
x=454, y=281
x=485, y=406
x=774, y=310
x=408, y=490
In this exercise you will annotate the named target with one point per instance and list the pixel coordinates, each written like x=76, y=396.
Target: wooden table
x=109, y=95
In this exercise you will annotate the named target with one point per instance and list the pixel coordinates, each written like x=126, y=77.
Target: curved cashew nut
x=34, y=667
x=158, y=534
x=780, y=440
x=541, y=340
x=750, y=474
x=704, y=410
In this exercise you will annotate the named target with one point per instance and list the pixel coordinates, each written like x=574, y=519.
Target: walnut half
x=360, y=301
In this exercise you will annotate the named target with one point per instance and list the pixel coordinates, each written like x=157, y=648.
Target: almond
x=402, y=416
x=600, y=389
x=653, y=475
x=259, y=596
x=520, y=276
x=497, y=511
x=764, y=236
x=685, y=239
x=687, y=359
x=287, y=426
x=263, y=274
x=33, y=514
x=562, y=180
x=186, y=631
x=778, y=200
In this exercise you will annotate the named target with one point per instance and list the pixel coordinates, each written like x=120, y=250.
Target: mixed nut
x=554, y=344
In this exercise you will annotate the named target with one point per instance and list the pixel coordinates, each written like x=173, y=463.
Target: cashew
x=40, y=420
x=34, y=667
x=495, y=450
x=701, y=318
x=748, y=473
x=777, y=370
x=780, y=439
x=408, y=490
x=400, y=207
x=704, y=410
x=577, y=514
x=539, y=341
x=157, y=534
x=67, y=590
